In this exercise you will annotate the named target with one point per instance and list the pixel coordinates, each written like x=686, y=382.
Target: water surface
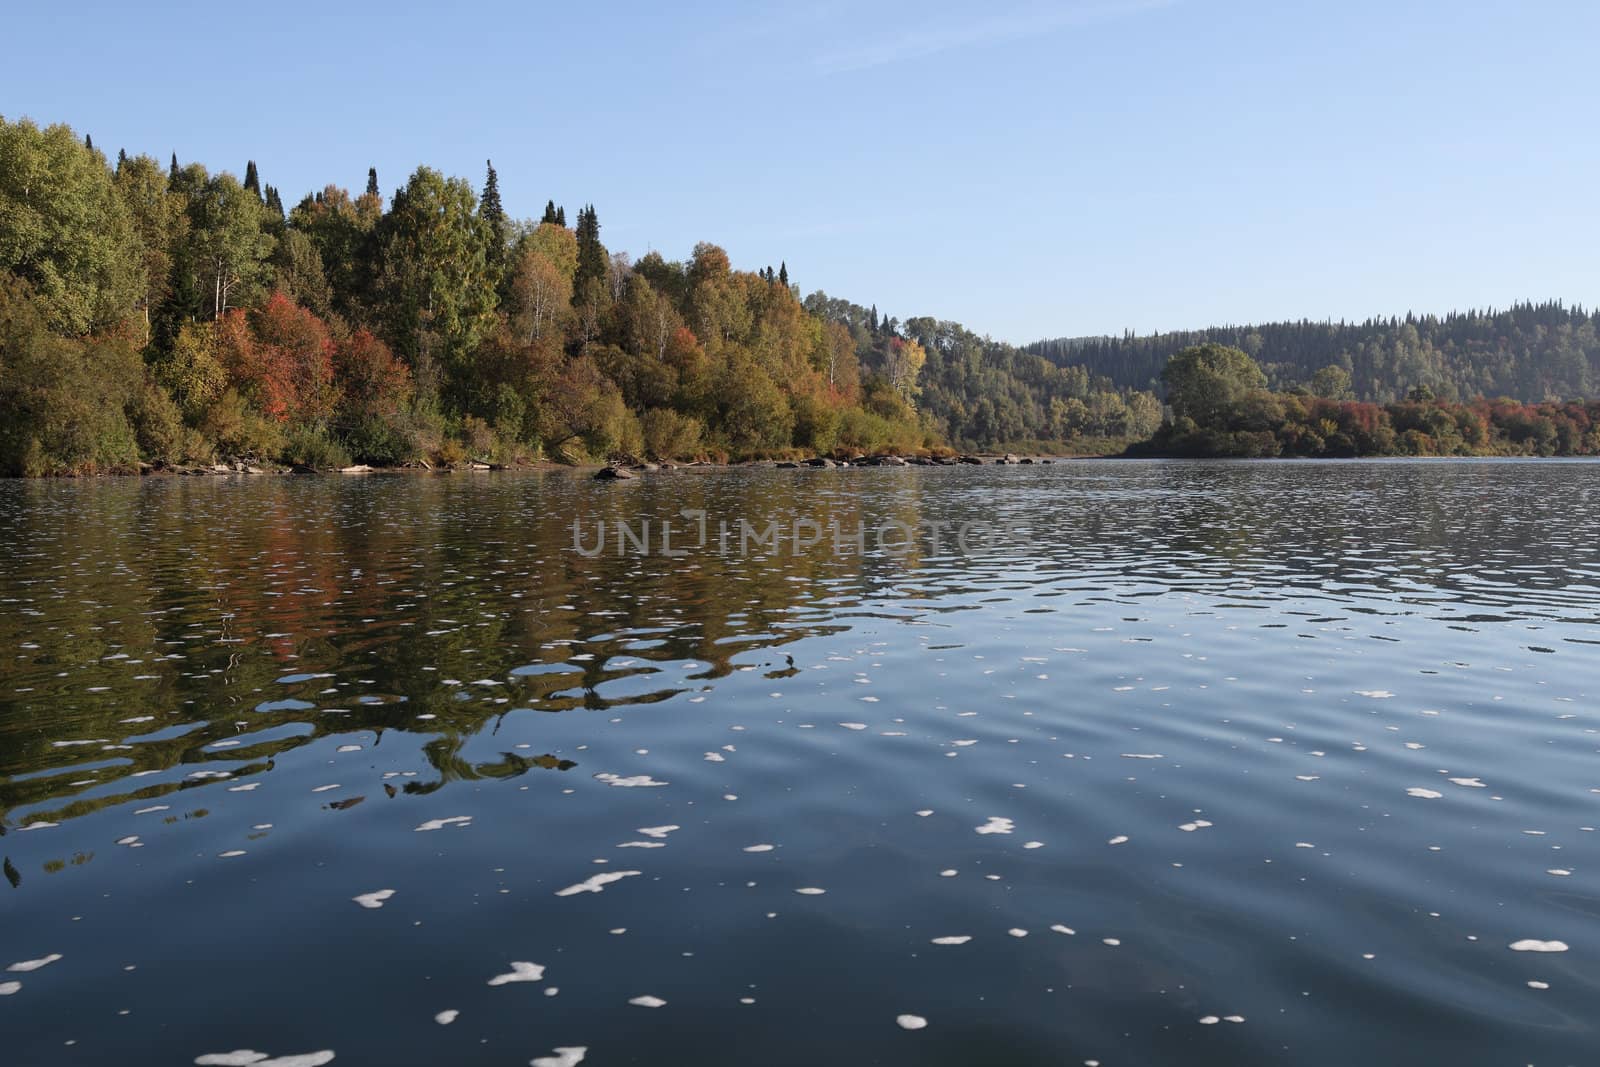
x=1231, y=763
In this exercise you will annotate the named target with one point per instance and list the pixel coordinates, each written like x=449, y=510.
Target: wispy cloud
x=993, y=29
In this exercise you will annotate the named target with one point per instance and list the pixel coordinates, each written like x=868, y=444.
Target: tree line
x=1529, y=352
x=162, y=312
x=1221, y=406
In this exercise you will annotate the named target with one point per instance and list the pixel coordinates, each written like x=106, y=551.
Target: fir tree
x=88, y=142
x=274, y=202
x=252, y=180
x=122, y=158
x=372, y=181
x=874, y=319
x=549, y=212
x=561, y=216
x=172, y=175
x=783, y=273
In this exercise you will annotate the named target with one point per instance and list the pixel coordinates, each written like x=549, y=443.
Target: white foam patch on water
x=758, y=848
x=440, y=824
x=521, y=971
x=657, y=831
x=1534, y=984
x=811, y=891
x=250, y=1058
x=1470, y=783
x=953, y=939
x=1058, y=928
x=1210, y=1020
x=1034, y=844
x=910, y=1022
x=643, y=844
x=715, y=757
x=1234, y=1018
x=648, y=1001
x=1423, y=794
x=1559, y=872
x=854, y=725
x=374, y=899
x=1120, y=839
x=1112, y=941
x=1191, y=827
x=997, y=825
x=948, y=872
x=636, y=781
x=25, y=966
x=1143, y=755
x=565, y=1056
x=1374, y=694
x=925, y=812
x=445, y=1018
x=8, y=988
x=1017, y=931
x=231, y=853
x=596, y=884
x=1531, y=945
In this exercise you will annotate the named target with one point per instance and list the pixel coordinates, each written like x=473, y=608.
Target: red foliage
x=375, y=383
x=282, y=358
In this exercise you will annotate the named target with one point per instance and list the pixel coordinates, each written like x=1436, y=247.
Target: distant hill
x=1529, y=352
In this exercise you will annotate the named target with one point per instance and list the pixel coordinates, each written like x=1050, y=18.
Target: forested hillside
x=165, y=312
x=1528, y=352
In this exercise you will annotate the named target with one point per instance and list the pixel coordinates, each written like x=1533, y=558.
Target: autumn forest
x=159, y=313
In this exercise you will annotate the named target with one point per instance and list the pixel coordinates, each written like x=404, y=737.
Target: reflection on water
x=1243, y=763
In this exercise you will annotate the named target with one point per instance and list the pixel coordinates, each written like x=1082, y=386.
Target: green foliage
x=1206, y=382
x=63, y=401
x=64, y=229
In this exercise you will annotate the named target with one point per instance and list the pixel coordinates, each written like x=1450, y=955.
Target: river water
x=1096, y=762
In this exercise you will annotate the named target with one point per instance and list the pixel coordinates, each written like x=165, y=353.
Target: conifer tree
x=172, y=175
x=493, y=214
x=592, y=260
x=561, y=216
x=252, y=180
x=88, y=142
x=122, y=158
x=372, y=181
x=783, y=273
x=549, y=212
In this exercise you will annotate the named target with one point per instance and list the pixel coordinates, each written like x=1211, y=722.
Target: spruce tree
x=122, y=158
x=492, y=213
x=783, y=273
x=592, y=262
x=88, y=142
x=172, y=175
x=549, y=213
x=252, y=180
x=372, y=181
x=561, y=216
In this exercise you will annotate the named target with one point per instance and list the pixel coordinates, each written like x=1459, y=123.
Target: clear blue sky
x=1028, y=169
